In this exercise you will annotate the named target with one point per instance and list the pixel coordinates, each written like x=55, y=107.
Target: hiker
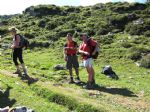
x=16, y=109
x=87, y=55
x=70, y=56
x=6, y=109
x=17, y=51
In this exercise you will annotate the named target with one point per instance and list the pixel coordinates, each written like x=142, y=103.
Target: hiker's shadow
x=119, y=91
x=4, y=98
x=29, y=80
x=80, y=84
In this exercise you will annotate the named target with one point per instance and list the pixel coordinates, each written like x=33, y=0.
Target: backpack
x=21, y=109
x=23, y=41
x=92, y=49
x=107, y=70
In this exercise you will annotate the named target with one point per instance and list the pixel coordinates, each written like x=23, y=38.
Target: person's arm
x=83, y=52
x=65, y=52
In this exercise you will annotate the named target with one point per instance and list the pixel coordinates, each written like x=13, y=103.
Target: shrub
x=147, y=34
x=39, y=44
x=118, y=21
x=29, y=35
x=135, y=53
x=67, y=101
x=51, y=25
x=134, y=29
x=3, y=31
x=126, y=44
x=103, y=31
x=145, y=61
x=106, y=39
x=64, y=32
x=42, y=23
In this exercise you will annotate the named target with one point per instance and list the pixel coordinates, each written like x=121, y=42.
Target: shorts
x=72, y=61
x=88, y=62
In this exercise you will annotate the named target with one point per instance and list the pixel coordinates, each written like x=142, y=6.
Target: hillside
x=121, y=29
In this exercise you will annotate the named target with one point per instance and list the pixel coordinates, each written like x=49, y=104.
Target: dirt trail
x=108, y=98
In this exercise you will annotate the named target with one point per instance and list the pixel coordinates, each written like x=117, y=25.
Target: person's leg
x=90, y=71
x=91, y=75
x=24, y=69
x=22, y=62
x=77, y=72
x=15, y=55
x=87, y=69
x=69, y=67
x=76, y=66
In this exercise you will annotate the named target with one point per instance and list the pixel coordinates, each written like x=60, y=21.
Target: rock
x=138, y=64
x=131, y=78
x=59, y=67
x=139, y=21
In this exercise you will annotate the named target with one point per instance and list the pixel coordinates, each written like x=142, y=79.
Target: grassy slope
x=129, y=93
x=20, y=94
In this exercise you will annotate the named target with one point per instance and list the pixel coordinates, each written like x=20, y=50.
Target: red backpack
x=92, y=49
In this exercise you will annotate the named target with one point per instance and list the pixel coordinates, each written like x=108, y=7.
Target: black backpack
x=107, y=70
x=24, y=43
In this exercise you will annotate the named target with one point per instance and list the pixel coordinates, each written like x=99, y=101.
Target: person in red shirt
x=87, y=53
x=70, y=56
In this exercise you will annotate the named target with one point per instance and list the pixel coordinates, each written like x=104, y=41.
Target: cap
x=69, y=34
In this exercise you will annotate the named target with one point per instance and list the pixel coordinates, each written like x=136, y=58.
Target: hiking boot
x=18, y=72
x=89, y=85
x=71, y=80
x=93, y=82
x=78, y=80
x=26, y=76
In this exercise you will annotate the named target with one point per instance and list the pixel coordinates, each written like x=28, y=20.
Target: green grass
x=20, y=94
x=130, y=93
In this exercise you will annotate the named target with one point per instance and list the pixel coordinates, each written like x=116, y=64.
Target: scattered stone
x=139, y=21
x=59, y=67
x=59, y=84
x=138, y=64
x=131, y=78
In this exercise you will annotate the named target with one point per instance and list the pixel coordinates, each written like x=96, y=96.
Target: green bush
x=145, y=61
x=147, y=34
x=126, y=44
x=134, y=29
x=64, y=32
x=135, y=53
x=3, y=31
x=51, y=25
x=67, y=101
x=119, y=20
x=103, y=31
x=29, y=35
x=42, y=23
x=106, y=39
x=34, y=44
